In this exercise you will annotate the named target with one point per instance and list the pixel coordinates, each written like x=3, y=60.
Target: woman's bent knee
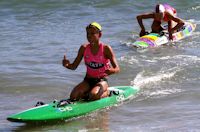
x=99, y=91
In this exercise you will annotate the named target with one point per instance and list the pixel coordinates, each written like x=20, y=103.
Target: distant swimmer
x=100, y=62
x=162, y=13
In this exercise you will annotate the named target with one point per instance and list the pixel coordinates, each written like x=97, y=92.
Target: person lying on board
x=163, y=13
x=100, y=62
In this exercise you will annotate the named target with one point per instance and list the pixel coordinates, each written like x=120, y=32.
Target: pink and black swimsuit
x=96, y=65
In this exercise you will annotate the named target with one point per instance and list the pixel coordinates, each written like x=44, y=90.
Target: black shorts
x=93, y=81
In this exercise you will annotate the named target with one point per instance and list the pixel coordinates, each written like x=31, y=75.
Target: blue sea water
x=36, y=34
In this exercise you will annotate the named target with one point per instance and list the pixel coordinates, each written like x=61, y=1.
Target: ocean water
x=36, y=34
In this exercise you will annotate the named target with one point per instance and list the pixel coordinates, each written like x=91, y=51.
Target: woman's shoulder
x=84, y=46
x=107, y=50
x=106, y=46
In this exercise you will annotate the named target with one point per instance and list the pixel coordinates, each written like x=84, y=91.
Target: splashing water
x=141, y=81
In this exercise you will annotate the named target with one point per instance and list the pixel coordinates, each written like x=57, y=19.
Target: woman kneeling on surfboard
x=163, y=13
x=98, y=57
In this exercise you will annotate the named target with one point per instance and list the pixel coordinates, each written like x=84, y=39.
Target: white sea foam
x=130, y=60
x=141, y=80
x=164, y=92
x=196, y=8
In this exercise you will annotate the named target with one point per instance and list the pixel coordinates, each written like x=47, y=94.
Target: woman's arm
x=179, y=24
x=74, y=65
x=110, y=55
x=140, y=22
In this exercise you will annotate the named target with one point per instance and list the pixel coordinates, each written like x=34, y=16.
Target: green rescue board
x=53, y=111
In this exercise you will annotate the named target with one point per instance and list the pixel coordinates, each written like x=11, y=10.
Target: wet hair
x=157, y=8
